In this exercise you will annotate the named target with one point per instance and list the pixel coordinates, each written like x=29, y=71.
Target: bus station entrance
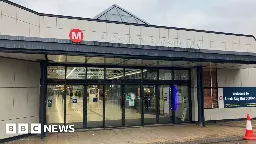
x=101, y=95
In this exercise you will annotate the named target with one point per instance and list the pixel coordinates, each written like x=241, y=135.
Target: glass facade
x=95, y=97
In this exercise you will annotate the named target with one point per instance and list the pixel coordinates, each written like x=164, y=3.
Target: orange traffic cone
x=249, y=132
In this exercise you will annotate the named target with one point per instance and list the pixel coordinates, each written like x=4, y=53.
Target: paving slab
x=186, y=133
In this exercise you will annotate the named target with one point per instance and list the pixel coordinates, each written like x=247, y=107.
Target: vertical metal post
x=85, y=107
x=173, y=104
x=104, y=101
x=142, y=97
x=157, y=89
x=142, y=104
x=43, y=89
x=123, y=104
x=65, y=97
x=104, y=107
x=200, y=96
x=123, y=98
x=85, y=101
x=172, y=98
x=189, y=96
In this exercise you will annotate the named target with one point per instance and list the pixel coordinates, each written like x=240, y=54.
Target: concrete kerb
x=204, y=141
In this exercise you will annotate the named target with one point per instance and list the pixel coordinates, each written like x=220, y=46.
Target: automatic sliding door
x=132, y=105
x=55, y=104
x=74, y=105
x=182, y=111
x=94, y=106
x=113, y=106
x=149, y=100
x=165, y=104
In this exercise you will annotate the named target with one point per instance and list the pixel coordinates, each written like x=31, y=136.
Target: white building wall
x=19, y=93
x=18, y=22
x=233, y=78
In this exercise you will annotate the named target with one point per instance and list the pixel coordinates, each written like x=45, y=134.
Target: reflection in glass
x=95, y=73
x=133, y=74
x=55, y=104
x=57, y=58
x=150, y=74
x=132, y=105
x=113, y=105
x=94, y=106
x=76, y=59
x=165, y=104
x=76, y=72
x=181, y=75
x=165, y=74
x=182, y=112
x=56, y=72
x=149, y=104
x=114, y=73
x=74, y=105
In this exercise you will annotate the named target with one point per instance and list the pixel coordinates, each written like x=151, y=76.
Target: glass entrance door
x=165, y=114
x=55, y=104
x=95, y=106
x=182, y=99
x=149, y=105
x=74, y=105
x=113, y=105
x=132, y=105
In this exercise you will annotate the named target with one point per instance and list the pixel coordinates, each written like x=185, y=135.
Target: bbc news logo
x=35, y=128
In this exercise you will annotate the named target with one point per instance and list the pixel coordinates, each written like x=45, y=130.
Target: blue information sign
x=239, y=97
x=74, y=100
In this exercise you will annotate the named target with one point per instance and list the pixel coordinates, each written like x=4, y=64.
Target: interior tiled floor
x=55, y=113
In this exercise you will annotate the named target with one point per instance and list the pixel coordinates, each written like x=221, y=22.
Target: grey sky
x=237, y=16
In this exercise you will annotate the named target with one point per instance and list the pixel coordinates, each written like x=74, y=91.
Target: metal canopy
x=65, y=47
x=118, y=14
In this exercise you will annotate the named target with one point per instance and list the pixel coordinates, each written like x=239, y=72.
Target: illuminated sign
x=175, y=91
x=76, y=35
x=239, y=97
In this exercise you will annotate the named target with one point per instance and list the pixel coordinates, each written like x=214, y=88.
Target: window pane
x=181, y=75
x=215, y=97
x=210, y=97
x=113, y=17
x=132, y=105
x=95, y=73
x=150, y=74
x=133, y=73
x=94, y=106
x=209, y=77
x=165, y=74
x=207, y=98
x=149, y=99
x=114, y=73
x=113, y=105
x=76, y=72
x=128, y=19
x=56, y=72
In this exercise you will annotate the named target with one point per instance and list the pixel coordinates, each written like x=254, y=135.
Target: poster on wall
x=238, y=97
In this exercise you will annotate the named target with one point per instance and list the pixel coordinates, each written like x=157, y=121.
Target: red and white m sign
x=76, y=35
